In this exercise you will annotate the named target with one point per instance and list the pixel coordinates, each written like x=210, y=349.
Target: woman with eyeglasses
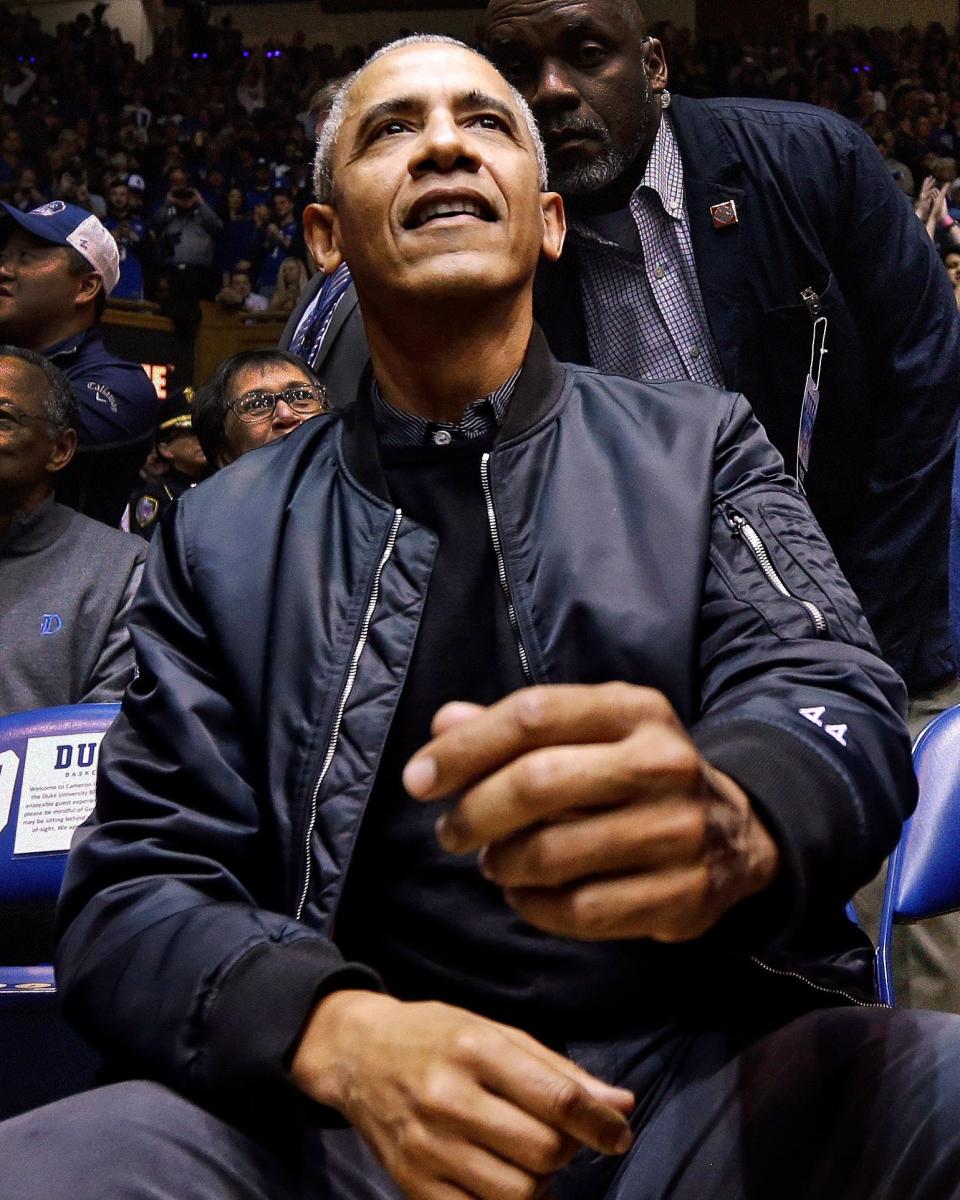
x=253, y=398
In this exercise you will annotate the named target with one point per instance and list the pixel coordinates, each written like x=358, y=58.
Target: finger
x=454, y=713
x=632, y=838
x=532, y=717
x=668, y=906
x=542, y=784
x=510, y=1133
x=481, y=1174
x=620, y=1099
x=556, y=1096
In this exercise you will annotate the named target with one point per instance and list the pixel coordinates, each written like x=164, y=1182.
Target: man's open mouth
x=446, y=208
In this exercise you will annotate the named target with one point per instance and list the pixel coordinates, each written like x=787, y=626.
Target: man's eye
x=490, y=121
x=590, y=54
x=513, y=67
x=389, y=128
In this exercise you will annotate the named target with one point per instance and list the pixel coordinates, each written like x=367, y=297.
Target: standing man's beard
x=580, y=179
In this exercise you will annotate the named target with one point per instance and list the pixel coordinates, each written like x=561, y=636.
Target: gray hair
x=329, y=131
x=60, y=403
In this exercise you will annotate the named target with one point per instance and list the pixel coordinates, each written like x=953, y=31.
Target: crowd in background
x=198, y=159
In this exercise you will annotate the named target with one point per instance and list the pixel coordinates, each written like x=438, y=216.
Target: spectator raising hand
x=932, y=208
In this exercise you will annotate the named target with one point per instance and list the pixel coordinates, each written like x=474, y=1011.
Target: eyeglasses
x=12, y=414
x=256, y=406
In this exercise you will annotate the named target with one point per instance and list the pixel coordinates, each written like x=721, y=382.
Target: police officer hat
x=176, y=415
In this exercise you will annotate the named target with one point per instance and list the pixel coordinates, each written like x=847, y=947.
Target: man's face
x=119, y=197
x=240, y=283
x=36, y=289
x=436, y=189
x=241, y=437
x=184, y=454
x=952, y=263
x=589, y=76
x=28, y=456
x=282, y=207
x=178, y=179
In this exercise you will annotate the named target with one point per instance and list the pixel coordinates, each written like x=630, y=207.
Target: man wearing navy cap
x=58, y=264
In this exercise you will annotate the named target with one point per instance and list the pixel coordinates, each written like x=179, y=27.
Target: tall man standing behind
x=726, y=242
x=730, y=241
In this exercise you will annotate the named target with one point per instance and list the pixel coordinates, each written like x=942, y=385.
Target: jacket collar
x=72, y=344
x=537, y=391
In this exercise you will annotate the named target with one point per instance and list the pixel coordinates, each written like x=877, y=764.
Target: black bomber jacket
x=646, y=533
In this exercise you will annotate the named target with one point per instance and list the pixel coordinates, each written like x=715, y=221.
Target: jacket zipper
x=341, y=707
x=817, y=987
x=740, y=527
x=501, y=566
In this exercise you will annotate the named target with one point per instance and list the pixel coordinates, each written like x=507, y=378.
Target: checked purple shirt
x=644, y=312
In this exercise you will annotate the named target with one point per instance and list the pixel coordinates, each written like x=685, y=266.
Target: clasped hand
x=594, y=811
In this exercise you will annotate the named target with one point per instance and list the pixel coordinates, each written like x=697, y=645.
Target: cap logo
x=49, y=210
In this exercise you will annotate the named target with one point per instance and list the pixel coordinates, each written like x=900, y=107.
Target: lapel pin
x=724, y=215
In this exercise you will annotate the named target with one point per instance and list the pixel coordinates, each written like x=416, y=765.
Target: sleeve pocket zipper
x=741, y=528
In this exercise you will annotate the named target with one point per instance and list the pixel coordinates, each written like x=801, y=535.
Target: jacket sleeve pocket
x=772, y=556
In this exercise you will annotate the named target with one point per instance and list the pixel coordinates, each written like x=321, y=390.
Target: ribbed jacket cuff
x=255, y=1021
x=805, y=804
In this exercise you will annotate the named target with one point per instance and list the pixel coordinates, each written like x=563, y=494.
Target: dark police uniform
x=149, y=502
x=153, y=497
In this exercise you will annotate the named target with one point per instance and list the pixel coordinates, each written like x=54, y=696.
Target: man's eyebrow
x=478, y=99
x=393, y=106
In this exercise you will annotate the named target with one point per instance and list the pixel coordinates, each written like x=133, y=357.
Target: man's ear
x=62, y=451
x=554, y=225
x=322, y=236
x=163, y=451
x=656, y=63
x=224, y=457
x=89, y=284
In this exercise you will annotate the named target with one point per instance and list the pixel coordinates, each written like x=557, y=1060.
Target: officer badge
x=724, y=215
x=146, y=510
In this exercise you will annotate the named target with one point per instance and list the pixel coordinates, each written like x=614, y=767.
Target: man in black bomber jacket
x=497, y=769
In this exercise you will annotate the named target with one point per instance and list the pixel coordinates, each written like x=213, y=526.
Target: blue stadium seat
x=923, y=878
x=47, y=774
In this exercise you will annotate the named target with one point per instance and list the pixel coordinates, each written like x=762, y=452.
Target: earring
x=665, y=99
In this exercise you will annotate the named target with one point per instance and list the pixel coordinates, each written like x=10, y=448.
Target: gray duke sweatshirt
x=66, y=585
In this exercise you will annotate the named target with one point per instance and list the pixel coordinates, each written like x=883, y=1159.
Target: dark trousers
x=848, y=1104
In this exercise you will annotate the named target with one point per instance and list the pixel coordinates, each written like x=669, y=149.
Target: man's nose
x=555, y=90
x=443, y=145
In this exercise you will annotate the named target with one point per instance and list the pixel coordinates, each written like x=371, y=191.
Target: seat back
x=48, y=761
x=923, y=876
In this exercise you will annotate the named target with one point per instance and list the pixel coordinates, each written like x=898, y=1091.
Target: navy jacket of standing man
x=790, y=218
